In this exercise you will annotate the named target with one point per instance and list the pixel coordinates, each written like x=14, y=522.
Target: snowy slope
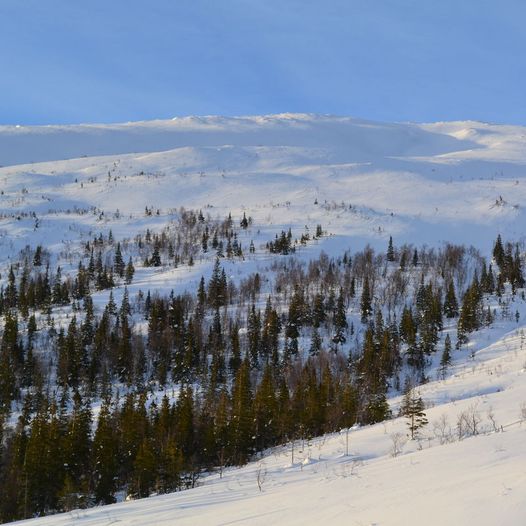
x=363, y=181
x=458, y=182
x=353, y=137
x=477, y=480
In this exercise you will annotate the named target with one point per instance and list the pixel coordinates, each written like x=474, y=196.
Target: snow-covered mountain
x=363, y=182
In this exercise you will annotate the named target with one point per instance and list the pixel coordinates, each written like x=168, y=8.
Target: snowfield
x=460, y=182
x=363, y=181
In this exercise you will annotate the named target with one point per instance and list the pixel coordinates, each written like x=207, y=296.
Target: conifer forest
x=146, y=392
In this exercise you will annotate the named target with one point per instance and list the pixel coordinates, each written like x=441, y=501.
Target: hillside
x=447, y=476
x=248, y=267
x=419, y=183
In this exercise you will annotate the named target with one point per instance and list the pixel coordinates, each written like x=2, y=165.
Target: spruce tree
x=11, y=292
x=450, y=302
x=201, y=297
x=169, y=464
x=118, y=262
x=415, y=258
x=340, y=321
x=37, y=258
x=244, y=222
x=318, y=311
x=129, y=272
x=390, y=250
x=471, y=313
x=155, y=260
x=145, y=468
x=217, y=286
x=105, y=457
x=445, y=359
x=77, y=449
x=498, y=253
x=254, y=335
x=265, y=408
x=316, y=343
x=242, y=415
x=235, y=350
x=366, y=301
x=413, y=409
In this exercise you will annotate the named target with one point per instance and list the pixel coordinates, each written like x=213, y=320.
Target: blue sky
x=65, y=61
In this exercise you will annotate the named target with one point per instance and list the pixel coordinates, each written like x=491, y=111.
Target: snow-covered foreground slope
x=436, y=480
x=363, y=181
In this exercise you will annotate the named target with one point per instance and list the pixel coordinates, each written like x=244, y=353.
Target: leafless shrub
x=349, y=469
x=442, y=430
x=398, y=442
x=491, y=417
x=319, y=444
x=261, y=475
x=468, y=423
